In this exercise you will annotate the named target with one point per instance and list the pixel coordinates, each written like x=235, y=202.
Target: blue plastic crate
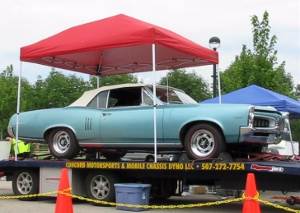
x=132, y=193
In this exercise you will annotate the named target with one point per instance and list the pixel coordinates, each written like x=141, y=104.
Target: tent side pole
x=219, y=84
x=18, y=111
x=154, y=102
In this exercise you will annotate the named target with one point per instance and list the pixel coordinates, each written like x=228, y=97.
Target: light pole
x=214, y=43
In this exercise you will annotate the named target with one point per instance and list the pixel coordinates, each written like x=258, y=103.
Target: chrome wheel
x=61, y=142
x=24, y=183
x=202, y=143
x=100, y=187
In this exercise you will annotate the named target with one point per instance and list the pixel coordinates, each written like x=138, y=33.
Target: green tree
x=297, y=92
x=9, y=97
x=113, y=79
x=57, y=90
x=295, y=123
x=38, y=94
x=194, y=85
x=259, y=66
x=295, y=127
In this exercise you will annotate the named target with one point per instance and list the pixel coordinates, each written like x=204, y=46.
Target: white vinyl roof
x=88, y=96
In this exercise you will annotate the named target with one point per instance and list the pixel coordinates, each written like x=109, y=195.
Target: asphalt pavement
x=205, y=203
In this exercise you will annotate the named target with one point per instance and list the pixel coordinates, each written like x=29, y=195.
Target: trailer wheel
x=63, y=144
x=26, y=182
x=100, y=186
x=203, y=141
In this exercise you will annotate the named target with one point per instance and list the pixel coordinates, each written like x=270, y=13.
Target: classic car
x=113, y=120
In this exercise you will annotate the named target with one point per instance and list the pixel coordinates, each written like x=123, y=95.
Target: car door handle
x=106, y=113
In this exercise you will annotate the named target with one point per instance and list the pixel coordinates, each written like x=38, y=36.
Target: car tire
x=63, y=144
x=204, y=142
x=100, y=186
x=26, y=183
x=149, y=158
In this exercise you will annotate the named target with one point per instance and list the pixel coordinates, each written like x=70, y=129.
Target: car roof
x=88, y=96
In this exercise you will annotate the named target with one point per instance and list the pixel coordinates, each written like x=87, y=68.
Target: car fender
x=196, y=120
x=50, y=128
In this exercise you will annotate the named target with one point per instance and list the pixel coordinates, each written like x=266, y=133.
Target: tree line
x=258, y=66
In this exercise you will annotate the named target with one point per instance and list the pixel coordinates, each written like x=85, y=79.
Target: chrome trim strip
x=125, y=145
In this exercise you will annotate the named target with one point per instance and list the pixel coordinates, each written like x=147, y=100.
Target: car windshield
x=171, y=95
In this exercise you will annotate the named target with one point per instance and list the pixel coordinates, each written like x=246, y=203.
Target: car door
x=130, y=125
x=128, y=121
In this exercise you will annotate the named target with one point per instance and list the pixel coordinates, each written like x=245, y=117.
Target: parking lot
x=47, y=204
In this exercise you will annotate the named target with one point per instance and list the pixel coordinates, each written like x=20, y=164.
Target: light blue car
x=114, y=120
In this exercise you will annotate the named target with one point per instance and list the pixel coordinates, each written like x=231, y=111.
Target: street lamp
x=214, y=43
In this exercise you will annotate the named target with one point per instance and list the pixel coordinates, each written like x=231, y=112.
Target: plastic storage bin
x=132, y=193
x=4, y=150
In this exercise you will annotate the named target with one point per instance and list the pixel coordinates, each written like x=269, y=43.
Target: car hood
x=267, y=108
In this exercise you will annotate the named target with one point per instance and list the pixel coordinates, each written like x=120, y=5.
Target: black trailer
x=95, y=179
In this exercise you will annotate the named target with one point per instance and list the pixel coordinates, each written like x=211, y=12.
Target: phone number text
x=223, y=166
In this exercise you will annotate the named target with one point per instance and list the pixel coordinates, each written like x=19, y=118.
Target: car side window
x=147, y=100
x=124, y=97
x=99, y=101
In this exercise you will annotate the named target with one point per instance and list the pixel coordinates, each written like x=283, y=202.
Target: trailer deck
x=270, y=175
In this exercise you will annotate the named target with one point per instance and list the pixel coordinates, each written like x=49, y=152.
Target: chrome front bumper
x=268, y=136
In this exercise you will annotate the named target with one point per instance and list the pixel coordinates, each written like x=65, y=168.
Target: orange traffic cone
x=250, y=205
x=64, y=202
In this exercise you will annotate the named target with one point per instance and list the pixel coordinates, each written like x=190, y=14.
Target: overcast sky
x=26, y=22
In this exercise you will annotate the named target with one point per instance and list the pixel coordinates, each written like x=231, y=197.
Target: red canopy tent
x=117, y=45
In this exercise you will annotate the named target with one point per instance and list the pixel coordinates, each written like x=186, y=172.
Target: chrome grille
x=260, y=122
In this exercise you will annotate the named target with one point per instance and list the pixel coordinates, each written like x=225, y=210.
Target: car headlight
x=251, y=116
x=286, y=126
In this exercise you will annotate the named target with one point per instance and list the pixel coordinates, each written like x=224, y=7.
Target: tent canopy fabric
x=117, y=45
x=261, y=97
